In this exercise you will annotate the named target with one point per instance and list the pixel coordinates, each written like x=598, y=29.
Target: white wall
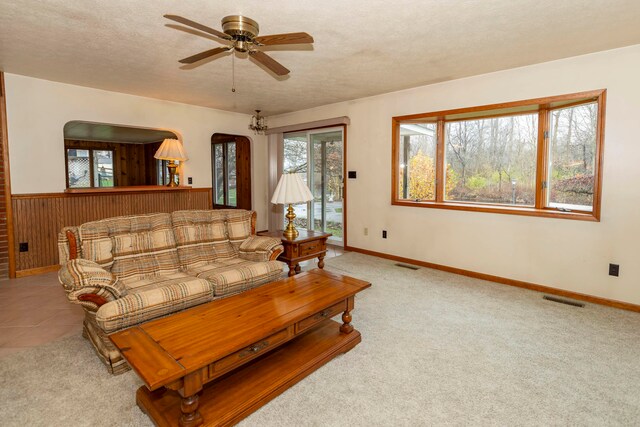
x=37, y=111
x=566, y=254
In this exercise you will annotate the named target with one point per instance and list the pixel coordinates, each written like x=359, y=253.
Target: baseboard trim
x=38, y=270
x=503, y=280
x=483, y=276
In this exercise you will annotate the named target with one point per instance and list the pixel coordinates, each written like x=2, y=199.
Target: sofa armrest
x=69, y=245
x=88, y=284
x=260, y=248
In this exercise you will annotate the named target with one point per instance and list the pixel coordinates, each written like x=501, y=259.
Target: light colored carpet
x=437, y=349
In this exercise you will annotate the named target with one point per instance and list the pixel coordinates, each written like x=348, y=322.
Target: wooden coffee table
x=249, y=348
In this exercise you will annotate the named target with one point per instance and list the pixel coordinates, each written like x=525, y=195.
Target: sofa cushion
x=97, y=237
x=152, y=298
x=238, y=226
x=96, y=243
x=201, y=237
x=144, y=254
x=235, y=275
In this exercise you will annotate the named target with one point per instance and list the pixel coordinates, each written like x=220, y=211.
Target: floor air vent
x=563, y=301
x=410, y=267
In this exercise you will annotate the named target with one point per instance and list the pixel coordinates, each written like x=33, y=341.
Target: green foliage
x=477, y=182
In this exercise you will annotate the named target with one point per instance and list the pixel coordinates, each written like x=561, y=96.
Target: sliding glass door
x=318, y=156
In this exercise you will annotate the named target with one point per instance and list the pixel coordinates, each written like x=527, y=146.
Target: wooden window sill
x=501, y=209
x=131, y=189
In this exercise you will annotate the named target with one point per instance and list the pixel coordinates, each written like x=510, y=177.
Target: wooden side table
x=308, y=245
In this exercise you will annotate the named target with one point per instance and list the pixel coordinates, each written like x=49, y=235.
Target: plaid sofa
x=131, y=269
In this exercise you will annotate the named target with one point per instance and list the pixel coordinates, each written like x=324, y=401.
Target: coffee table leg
x=190, y=416
x=346, y=327
x=191, y=386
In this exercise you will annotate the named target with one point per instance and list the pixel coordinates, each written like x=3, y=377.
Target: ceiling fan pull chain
x=233, y=71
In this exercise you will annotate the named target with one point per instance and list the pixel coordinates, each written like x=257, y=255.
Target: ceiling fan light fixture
x=241, y=26
x=258, y=123
x=242, y=32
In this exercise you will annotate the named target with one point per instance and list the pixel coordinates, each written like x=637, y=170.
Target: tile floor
x=34, y=310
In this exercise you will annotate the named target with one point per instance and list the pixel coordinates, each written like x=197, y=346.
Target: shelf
x=226, y=401
x=131, y=189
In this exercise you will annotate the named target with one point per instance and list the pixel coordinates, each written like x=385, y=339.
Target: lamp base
x=290, y=231
x=171, y=165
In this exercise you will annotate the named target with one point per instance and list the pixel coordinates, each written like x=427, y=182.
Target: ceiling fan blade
x=288, y=38
x=200, y=27
x=202, y=55
x=269, y=62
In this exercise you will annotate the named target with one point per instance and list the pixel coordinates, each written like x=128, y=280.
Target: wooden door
x=231, y=171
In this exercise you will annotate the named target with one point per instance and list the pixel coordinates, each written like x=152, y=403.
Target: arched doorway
x=231, y=171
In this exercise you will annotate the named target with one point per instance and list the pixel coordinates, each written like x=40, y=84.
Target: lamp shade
x=291, y=189
x=171, y=149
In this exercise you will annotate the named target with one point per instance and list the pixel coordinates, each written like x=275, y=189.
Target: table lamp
x=171, y=150
x=291, y=189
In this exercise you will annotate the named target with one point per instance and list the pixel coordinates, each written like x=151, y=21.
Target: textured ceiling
x=362, y=47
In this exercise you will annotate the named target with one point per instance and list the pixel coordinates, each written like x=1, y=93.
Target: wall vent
x=563, y=301
x=410, y=267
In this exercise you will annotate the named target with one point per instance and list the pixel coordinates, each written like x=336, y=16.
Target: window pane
x=492, y=160
x=219, y=173
x=78, y=164
x=333, y=183
x=317, y=186
x=102, y=168
x=295, y=161
x=295, y=153
x=176, y=177
x=231, y=173
x=161, y=168
x=572, y=148
x=417, y=161
x=301, y=210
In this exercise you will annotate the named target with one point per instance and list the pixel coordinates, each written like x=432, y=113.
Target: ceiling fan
x=241, y=33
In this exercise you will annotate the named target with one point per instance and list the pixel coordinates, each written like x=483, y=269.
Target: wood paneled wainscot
x=38, y=218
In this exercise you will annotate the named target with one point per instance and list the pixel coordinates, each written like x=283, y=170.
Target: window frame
x=91, y=160
x=225, y=174
x=544, y=107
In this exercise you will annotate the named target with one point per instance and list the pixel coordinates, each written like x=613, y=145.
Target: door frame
x=344, y=170
x=223, y=138
x=7, y=180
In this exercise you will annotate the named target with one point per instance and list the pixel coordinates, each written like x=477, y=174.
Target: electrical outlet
x=24, y=247
x=614, y=270
x=366, y=231
x=384, y=234
x=190, y=180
